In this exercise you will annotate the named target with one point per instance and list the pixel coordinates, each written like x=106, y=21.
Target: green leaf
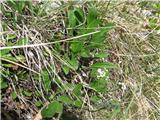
x=100, y=85
x=12, y=58
x=14, y=95
x=74, y=63
x=4, y=52
x=38, y=94
x=22, y=41
x=109, y=26
x=98, y=39
x=27, y=93
x=66, y=69
x=92, y=15
x=38, y=103
x=93, y=24
x=53, y=108
x=20, y=5
x=20, y=58
x=85, y=53
x=95, y=98
x=78, y=103
x=76, y=46
x=7, y=65
x=101, y=55
x=3, y=84
x=65, y=99
x=71, y=18
x=11, y=36
x=69, y=86
x=79, y=15
x=57, y=47
x=52, y=97
x=9, y=57
x=77, y=90
x=46, y=80
x=107, y=65
x=93, y=73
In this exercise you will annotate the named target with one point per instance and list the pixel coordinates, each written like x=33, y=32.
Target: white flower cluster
x=146, y=13
x=102, y=73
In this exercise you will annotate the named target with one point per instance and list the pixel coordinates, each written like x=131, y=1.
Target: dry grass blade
x=25, y=67
x=49, y=43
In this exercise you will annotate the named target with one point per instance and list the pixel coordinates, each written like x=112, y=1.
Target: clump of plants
x=53, y=61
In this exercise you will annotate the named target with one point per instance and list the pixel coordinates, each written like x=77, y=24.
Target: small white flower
x=146, y=13
x=84, y=74
x=123, y=86
x=101, y=73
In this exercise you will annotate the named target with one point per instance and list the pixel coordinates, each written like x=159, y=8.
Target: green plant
x=84, y=48
x=54, y=72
